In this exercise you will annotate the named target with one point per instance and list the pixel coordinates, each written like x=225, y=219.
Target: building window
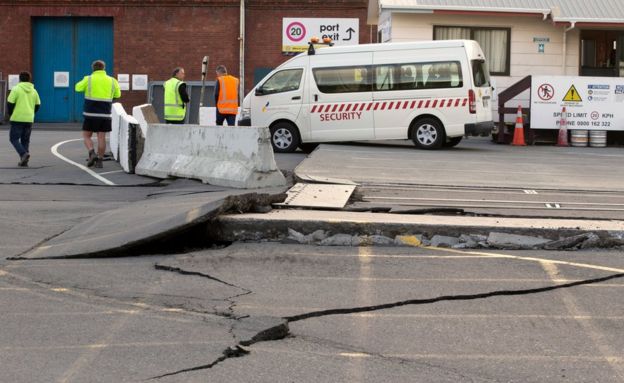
x=495, y=42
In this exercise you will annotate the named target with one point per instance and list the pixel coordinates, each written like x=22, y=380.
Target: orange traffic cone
x=518, y=139
x=563, y=129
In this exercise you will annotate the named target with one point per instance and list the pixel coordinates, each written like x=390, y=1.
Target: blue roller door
x=67, y=44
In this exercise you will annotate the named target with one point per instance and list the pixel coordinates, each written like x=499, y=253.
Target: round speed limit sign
x=295, y=31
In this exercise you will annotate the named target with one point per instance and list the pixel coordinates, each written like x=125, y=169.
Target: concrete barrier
x=117, y=113
x=238, y=157
x=145, y=115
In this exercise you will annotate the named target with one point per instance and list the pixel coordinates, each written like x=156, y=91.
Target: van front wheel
x=428, y=133
x=284, y=137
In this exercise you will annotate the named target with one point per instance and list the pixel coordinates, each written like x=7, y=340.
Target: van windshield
x=480, y=73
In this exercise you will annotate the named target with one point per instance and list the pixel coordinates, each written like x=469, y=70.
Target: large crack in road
x=278, y=332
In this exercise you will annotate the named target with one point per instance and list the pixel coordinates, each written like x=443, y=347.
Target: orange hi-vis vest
x=228, y=94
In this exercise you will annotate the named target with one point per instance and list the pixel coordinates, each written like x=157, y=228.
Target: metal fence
x=156, y=95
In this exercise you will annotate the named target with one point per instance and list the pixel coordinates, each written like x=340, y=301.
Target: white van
x=432, y=92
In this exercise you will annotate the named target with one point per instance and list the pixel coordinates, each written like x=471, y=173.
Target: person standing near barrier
x=100, y=89
x=226, y=96
x=23, y=103
x=176, y=97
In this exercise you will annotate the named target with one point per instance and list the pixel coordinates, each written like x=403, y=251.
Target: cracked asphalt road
x=184, y=317
x=170, y=318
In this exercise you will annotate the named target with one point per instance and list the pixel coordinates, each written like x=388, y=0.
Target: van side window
x=283, y=81
x=434, y=75
x=343, y=79
x=384, y=77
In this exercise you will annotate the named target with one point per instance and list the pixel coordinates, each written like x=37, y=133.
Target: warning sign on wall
x=296, y=32
x=594, y=103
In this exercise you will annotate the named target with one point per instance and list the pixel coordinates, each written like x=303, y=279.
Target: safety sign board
x=593, y=103
x=297, y=32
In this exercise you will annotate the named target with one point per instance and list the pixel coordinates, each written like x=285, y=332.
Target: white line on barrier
x=54, y=151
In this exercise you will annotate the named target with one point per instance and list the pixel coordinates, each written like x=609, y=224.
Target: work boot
x=24, y=160
x=98, y=163
x=92, y=158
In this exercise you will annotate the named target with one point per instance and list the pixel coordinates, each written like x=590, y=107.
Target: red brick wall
x=153, y=37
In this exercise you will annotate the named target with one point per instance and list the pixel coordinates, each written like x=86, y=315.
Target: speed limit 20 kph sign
x=295, y=31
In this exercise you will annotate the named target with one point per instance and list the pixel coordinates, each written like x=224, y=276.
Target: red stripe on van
x=370, y=106
x=405, y=104
x=313, y=109
x=465, y=102
x=390, y=105
x=435, y=102
x=383, y=106
x=442, y=103
x=427, y=103
x=349, y=107
x=335, y=107
x=450, y=104
x=398, y=105
x=363, y=106
x=342, y=106
x=413, y=104
x=457, y=102
x=420, y=104
x=376, y=106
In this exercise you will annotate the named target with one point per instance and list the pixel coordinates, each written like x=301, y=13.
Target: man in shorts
x=100, y=89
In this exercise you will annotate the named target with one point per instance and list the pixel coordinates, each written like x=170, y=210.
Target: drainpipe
x=241, y=40
x=565, y=45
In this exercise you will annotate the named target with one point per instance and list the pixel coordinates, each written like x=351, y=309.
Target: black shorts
x=96, y=125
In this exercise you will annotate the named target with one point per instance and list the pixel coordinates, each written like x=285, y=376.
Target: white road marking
x=54, y=151
x=114, y=171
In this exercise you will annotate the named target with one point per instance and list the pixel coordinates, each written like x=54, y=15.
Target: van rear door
x=482, y=89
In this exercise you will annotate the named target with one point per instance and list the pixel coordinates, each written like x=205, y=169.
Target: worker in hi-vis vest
x=226, y=96
x=176, y=97
x=23, y=103
x=100, y=89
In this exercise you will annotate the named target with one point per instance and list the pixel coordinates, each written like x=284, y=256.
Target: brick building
x=149, y=37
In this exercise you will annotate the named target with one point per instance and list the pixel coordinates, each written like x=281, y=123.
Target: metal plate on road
x=318, y=195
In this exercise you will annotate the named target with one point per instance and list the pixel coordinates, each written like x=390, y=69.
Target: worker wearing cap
x=100, y=89
x=176, y=97
x=226, y=96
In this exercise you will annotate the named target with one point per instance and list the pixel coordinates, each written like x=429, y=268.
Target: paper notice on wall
x=13, y=80
x=124, y=81
x=139, y=82
x=61, y=79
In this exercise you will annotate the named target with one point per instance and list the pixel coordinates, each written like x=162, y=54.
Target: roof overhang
x=552, y=14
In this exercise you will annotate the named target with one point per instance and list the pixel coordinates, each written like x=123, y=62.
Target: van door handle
x=296, y=98
x=316, y=97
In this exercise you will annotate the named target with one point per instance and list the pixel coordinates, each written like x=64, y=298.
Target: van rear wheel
x=428, y=133
x=284, y=137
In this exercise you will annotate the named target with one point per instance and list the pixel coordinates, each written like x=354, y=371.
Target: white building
x=519, y=37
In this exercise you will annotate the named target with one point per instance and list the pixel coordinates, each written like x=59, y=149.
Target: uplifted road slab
x=120, y=230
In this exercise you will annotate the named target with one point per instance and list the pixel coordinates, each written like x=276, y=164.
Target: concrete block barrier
x=117, y=113
x=238, y=157
x=145, y=114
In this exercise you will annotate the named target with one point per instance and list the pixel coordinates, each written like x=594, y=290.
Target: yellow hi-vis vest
x=227, y=102
x=100, y=90
x=174, y=106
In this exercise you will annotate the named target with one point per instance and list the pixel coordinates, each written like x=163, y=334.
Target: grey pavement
x=178, y=315
x=130, y=319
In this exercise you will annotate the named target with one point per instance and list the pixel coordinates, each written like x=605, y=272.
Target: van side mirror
x=259, y=91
